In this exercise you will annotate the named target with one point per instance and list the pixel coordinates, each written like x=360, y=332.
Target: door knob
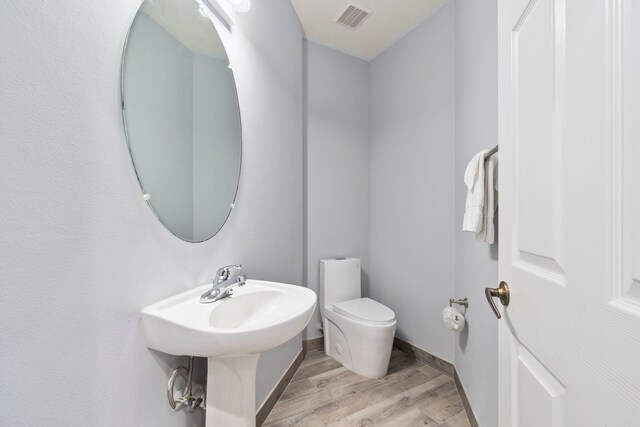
x=502, y=292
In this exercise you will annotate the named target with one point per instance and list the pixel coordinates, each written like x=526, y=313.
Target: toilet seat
x=365, y=309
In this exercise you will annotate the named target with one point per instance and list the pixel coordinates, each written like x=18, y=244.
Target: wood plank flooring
x=323, y=393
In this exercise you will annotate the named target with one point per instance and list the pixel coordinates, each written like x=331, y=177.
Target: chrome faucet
x=223, y=284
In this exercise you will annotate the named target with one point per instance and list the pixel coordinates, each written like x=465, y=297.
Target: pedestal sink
x=231, y=334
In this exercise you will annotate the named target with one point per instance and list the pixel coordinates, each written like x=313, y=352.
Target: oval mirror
x=181, y=116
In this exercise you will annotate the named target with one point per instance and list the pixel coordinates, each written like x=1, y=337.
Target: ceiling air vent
x=353, y=16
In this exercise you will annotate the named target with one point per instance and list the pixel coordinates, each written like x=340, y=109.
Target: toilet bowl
x=358, y=332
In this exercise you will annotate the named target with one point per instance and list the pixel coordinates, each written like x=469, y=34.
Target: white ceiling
x=390, y=21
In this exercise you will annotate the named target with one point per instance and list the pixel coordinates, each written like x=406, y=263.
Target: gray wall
x=81, y=253
x=337, y=162
x=161, y=136
x=476, y=263
x=412, y=181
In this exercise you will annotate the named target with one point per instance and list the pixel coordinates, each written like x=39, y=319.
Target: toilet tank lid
x=365, y=309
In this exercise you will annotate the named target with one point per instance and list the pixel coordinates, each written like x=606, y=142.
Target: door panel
x=626, y=156
x=537, y=100
x=536, y=384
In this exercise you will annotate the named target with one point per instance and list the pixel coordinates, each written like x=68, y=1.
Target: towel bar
x=491, y=152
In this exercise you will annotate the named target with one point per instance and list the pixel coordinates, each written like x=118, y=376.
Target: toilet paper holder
x=464, y=302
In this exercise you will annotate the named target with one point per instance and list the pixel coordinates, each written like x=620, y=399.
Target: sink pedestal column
x=231, y=391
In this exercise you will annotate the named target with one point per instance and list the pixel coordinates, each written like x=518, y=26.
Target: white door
x=569, y=91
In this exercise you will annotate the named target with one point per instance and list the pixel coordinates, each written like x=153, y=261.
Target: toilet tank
x=339, y=280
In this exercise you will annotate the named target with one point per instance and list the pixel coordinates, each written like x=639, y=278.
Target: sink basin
x=257, y=317
x=251, y=310
x=231, y=333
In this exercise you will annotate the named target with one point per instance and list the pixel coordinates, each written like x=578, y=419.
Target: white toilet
x=358, y=332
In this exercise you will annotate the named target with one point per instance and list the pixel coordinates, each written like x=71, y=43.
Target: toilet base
x=363, y=348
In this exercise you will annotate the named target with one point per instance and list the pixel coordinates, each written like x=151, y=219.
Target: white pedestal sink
x=231, y=334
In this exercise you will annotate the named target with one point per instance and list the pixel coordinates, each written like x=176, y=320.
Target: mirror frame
x=210, y=15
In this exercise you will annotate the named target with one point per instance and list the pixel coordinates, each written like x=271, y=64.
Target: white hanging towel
x=474, y=207
x=488, y=232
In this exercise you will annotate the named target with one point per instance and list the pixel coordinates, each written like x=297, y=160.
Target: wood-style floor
x=324, y=393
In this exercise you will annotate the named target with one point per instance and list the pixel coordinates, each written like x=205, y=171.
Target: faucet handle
x=225, y=271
